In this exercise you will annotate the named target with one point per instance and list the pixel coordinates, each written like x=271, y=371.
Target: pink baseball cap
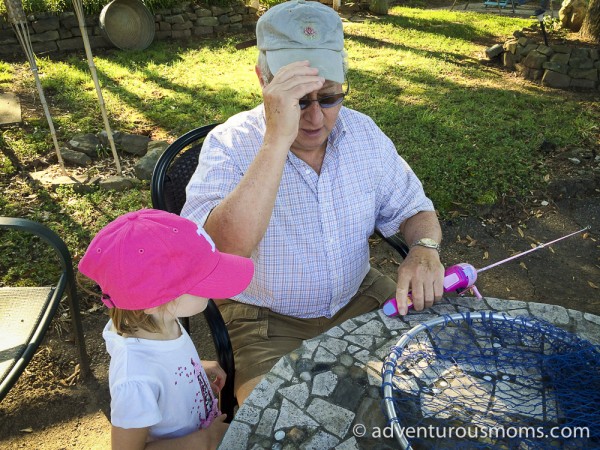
x=149, y=257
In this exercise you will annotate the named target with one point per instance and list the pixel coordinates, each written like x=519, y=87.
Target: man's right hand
x=239, y=222
x=281, y=96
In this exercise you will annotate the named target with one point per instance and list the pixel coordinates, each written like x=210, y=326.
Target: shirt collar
x=339, y=129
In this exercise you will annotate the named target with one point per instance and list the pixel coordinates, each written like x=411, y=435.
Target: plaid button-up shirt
x=315, y=252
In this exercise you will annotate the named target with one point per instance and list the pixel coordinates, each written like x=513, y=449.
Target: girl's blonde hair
x=128, y=322
x=125, y=321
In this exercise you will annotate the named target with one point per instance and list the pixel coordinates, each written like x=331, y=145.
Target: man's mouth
x=311, y=132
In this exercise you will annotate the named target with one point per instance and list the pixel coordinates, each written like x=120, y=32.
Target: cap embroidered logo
x=310, y=32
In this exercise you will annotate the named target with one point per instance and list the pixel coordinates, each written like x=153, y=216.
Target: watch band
x=427, y=243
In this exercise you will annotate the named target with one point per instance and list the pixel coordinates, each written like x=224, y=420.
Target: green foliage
x=6, y=74
x=6, y=166
x=17, y=269
x=270, y=3
x=95, y=6
x=53, y=6
x=552, y=23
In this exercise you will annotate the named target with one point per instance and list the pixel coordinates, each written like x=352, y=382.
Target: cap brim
x=231, y=276
x=329, y=62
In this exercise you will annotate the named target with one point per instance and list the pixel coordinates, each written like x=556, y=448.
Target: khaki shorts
x=260, y=337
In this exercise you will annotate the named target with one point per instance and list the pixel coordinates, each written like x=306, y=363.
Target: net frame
x=390, y=364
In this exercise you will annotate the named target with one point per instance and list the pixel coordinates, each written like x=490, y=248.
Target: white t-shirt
x=158, y=384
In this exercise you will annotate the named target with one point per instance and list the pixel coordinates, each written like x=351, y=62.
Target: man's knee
x=245, y=389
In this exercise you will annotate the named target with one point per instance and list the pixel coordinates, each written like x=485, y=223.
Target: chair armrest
x=396, y=242
x=224, y=355
x=64, y=255
x=45, y=233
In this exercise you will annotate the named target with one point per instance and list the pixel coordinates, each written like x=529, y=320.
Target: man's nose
x=313, y=110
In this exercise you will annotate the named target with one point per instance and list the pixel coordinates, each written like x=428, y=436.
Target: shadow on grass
x=468, y=142
x=445, y=27
x=458, y=59
x=187, y=107
x=464, y=133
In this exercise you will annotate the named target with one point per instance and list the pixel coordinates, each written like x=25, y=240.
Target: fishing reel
x=460, y=277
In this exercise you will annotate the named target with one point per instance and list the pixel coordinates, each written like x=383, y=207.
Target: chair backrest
x=174, y=169
x=26, y=312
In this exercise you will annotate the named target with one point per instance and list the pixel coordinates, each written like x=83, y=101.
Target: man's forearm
x=424, y=224
x=239, y=222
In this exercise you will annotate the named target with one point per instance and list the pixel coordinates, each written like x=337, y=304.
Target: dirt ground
x=49, y=408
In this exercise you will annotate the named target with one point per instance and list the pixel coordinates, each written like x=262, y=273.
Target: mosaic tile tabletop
x=327, y=393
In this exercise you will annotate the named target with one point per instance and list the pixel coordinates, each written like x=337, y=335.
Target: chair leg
x=228, y=400
x=84, y=359
x=185, y=322
x=224, y=355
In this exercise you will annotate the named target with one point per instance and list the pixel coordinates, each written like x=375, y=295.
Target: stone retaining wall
x=554, y=65
x=60, y=33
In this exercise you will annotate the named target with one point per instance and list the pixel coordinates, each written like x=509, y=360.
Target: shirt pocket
x=360, y=214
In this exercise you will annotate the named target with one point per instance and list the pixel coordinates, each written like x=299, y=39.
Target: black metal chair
x=26, y=312
x=171, y=175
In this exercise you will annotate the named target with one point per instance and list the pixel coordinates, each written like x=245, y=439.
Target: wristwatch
x=427, y=243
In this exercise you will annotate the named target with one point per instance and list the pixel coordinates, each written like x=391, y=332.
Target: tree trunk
x=591, y=24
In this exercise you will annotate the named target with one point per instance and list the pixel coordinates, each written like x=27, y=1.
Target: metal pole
x=17, y=17
x=86, y=43
x=539, y=14
x=544, y=32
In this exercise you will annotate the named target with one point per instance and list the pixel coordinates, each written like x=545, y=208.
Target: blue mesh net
x=492, y=381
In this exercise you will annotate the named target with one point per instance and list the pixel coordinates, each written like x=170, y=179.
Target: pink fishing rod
x=462, y=277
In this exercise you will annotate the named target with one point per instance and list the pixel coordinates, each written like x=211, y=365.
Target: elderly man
x=299, y=183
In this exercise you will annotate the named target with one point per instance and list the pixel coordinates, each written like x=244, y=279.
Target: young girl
x=153, y=267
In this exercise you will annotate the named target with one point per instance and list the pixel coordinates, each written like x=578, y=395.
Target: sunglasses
x=327, y=101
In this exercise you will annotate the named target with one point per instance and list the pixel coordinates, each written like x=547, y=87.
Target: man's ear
x=259, y=75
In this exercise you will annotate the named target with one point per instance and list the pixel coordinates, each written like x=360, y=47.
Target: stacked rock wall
x=554, y=65
x=60, y=33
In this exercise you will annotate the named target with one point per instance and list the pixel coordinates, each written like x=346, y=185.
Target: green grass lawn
x=470, y=131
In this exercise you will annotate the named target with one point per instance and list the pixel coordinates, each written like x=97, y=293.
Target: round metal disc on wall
x=128, y=24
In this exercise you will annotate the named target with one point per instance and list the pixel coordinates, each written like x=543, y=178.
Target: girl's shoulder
x=133, y=357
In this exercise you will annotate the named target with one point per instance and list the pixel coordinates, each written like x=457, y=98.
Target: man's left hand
x=422, y=275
